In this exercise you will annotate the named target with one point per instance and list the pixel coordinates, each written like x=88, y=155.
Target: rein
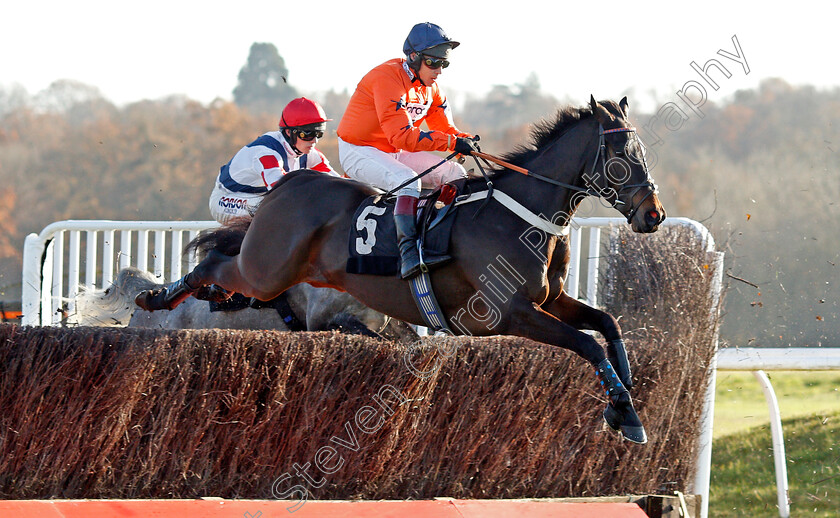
x=421, y=175
x=600, y=156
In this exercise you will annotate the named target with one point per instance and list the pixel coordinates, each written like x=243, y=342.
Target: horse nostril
x=653, y=217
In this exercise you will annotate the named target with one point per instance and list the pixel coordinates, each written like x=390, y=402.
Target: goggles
x=308, y=135
x=435, y=63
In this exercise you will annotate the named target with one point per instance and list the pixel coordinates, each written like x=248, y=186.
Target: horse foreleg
x=583, y=316
x=529, y=320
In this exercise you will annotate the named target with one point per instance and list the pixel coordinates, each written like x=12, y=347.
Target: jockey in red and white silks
x=252, y=172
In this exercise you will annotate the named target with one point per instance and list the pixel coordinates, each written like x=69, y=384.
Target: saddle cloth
x=373, y=245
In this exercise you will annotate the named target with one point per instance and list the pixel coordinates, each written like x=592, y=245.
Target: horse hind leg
x=216, y=269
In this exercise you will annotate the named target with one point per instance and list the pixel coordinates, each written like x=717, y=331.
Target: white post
x=73, y=267
x=90, y=260
x=30, y=296
x=572, y=279
x=125, y=249
x=107, y=258
x=592, y=264
x=160, y=253
x=57, y=285
x=703, y=475
x=46, y=285
x=192, y=260
x=175, y=258
x=143, y=250
x=778, y=443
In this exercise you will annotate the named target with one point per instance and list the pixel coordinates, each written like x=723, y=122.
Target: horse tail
x=226, y=239
x=113, y=306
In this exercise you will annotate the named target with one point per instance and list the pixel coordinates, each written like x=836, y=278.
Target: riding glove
x=466, y=146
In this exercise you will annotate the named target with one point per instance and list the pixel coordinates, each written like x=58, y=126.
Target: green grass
x=740, y=403
x=743, y=474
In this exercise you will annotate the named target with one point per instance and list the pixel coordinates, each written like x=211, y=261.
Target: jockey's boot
x=166, y=297
x=617, y=355
x=620, y=414
x=405, y=214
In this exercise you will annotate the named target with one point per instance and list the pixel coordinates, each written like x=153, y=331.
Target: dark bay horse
x=300, y=234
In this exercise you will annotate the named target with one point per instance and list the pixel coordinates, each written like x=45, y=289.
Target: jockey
x=255, y=168
x=380, y=142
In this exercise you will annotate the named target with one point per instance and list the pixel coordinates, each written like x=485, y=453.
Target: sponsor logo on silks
x=233, y=203
x=417, y=111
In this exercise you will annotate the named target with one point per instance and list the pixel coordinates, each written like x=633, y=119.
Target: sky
x=152, y=49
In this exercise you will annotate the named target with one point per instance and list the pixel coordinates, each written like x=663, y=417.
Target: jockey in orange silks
x=380, y=139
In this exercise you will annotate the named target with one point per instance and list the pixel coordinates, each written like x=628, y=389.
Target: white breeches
x=386, y=171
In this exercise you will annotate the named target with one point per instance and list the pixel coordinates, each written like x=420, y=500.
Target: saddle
x=373, y=243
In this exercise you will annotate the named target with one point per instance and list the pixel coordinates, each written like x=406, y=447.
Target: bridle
x=648, y=183
x=598, y=191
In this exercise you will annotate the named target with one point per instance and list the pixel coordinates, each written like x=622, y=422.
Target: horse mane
x=547, y=131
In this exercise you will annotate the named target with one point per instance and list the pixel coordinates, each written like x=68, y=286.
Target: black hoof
x=151, y=300
x=160, y=299
x=622, y=417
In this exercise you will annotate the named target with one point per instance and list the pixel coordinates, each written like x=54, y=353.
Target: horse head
x=627, y=183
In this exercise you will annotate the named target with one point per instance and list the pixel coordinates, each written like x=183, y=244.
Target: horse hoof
x=160, y=299
x=147, y=299
x=623, y=419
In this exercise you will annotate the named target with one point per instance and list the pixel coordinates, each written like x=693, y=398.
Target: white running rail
x=74, y=253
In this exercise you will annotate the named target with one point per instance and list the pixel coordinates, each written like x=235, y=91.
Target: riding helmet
x=428, y=38
x=303, y=113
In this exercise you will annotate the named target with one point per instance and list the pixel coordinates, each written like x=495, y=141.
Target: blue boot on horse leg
x=167, y=297
x=617, y=355
x=620, y=414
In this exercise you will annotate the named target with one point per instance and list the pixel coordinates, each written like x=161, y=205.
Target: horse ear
x=623, y=104
x=600, y=112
